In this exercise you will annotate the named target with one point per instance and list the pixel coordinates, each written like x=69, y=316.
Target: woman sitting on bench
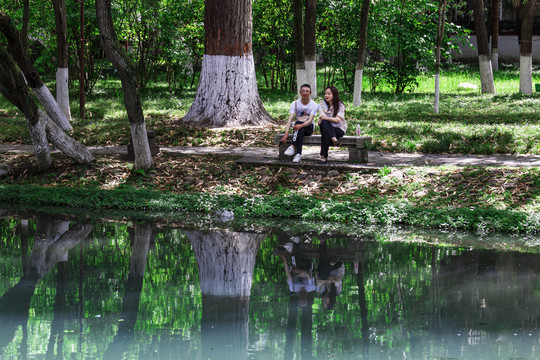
x=331, y=121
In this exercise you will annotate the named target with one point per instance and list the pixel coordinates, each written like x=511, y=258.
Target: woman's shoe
x=335, y=142
x=323, y=161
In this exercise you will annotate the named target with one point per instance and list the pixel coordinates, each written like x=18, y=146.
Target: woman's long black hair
x=335, y=100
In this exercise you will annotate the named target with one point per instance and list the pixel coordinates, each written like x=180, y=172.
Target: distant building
x=509, y=29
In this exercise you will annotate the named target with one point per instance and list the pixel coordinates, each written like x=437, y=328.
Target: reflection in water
x=53, y=239
x=142, y=235
x=226, y=261
x=70, y=290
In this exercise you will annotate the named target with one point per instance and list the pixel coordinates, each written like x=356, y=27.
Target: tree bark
x=227, y=95
x=440, y=34
x=495, y=8
x=13, y=87
x=362, y=40
x=25, y=24
x=527, y=13
x=300, y=62
x=484, y=57
x=42, y=128
x=20, y=55
x=62, y=90
x=310, y=46
x=126, y=70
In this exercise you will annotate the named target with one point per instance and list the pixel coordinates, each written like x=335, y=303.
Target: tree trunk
x=357, y=96
x=227, y=94
x=20, y=55
x=310, y=47
x=66, y=144
x=440, y=34
x=226, y=261
x=495, y=8
x=126, y=70
x=484, y=57
x=62, y=90
x=300, y=61
x=25, y=24
x=42, y=151
x=528, y=10
x=13, y=87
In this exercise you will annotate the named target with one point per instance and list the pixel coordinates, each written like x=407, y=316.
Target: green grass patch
x=468, y=122
x=285, y=207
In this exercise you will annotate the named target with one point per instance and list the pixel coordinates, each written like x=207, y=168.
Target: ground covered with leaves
x=434, y=187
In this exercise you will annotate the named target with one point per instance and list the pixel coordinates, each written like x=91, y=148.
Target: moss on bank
x=282, y=207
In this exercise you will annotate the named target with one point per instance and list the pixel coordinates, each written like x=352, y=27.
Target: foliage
x=273, y=43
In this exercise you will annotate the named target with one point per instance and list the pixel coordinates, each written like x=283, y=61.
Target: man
x=304, y=111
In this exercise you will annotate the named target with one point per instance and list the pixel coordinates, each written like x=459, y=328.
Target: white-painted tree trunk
x=226, y=261
x=227, y=94
x=62, y=91
x=301, y=79
x=437, y=93
x=64, y=143
x=525, y=74
x=495, y=59
x=486, y=74
x=141, y=148
x=357, y=96
x=52, y=108
x=42, y=152
x=311, y=77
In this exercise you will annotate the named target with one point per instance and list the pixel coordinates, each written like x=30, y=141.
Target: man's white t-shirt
x=301, y=109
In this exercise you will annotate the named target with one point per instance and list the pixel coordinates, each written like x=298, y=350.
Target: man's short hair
x=306, y=85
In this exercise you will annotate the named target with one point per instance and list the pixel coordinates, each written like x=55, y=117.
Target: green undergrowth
x=286, y=207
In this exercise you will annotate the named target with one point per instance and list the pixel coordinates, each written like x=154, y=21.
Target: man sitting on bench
x=304, y=110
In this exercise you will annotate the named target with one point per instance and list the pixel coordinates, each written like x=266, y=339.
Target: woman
x=331, y=121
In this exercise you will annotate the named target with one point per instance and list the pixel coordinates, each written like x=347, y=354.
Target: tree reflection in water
x=226, y=261
x=72, y=290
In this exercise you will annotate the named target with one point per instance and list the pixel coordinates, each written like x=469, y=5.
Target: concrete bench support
x=357, y=145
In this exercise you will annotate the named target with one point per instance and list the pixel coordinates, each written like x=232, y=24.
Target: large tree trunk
x=495, y=8
x=357, y=96
x=13, y=87
x=300, y=61
x=484, y=56
x=310, y=47
x=227, y=94
x=527, y=13
x=20, y=55
x=440, y=34
x=62, y=90
x=126, y=70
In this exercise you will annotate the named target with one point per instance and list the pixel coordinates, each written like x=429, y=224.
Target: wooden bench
x=357, y=145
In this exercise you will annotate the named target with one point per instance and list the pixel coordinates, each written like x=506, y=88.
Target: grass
x=468, y=123
x=482, y=221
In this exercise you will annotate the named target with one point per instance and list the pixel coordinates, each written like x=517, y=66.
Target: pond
x=73, y=289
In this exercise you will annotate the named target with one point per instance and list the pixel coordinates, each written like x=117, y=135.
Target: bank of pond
x=212, y=287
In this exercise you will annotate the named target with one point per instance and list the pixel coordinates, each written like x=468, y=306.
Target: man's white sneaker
x=289, y=151
x=297, y=158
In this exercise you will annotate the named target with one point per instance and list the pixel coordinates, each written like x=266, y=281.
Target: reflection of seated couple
x=327, y=282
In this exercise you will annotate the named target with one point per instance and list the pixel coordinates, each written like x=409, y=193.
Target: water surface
x=126, y=290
